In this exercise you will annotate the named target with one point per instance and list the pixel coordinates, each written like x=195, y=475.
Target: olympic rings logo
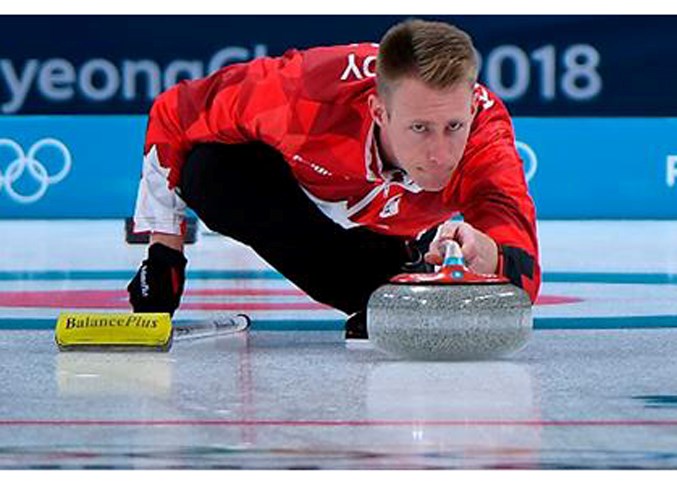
x=529, y=158
x=28, y=162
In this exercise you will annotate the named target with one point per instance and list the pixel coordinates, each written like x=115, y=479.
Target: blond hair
x=439, y=54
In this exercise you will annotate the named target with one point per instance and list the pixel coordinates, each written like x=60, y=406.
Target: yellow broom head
x=113, y=331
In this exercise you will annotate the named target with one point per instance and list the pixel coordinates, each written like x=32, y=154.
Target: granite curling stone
x=452, y=315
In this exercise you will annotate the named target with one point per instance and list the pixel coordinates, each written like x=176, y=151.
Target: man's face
x=424, y=130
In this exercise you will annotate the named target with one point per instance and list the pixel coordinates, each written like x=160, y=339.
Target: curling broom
x=137, y=331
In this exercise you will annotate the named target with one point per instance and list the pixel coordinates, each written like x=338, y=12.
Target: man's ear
x=377, y=109
x=474, y=104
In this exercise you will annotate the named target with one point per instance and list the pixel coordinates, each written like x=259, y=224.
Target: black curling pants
x=248, y=192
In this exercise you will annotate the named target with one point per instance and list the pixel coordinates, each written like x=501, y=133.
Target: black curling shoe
x=356, y=326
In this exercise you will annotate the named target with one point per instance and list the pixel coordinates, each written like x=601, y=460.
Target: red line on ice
x=336, y=423
x=117, y=299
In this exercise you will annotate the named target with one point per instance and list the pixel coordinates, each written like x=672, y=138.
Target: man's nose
x=439, y=152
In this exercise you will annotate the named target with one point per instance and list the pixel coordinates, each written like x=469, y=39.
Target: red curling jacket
x=312, y=107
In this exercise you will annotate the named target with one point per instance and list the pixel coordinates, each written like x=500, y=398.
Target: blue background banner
x=578, y=168
x=593, y=117
x=601, y=168
x=540, y=65
x=106, y=153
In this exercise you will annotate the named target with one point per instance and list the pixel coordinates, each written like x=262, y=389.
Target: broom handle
x=216, y=325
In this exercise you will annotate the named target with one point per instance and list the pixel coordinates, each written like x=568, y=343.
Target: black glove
x=417, y=249
x=158, y=284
